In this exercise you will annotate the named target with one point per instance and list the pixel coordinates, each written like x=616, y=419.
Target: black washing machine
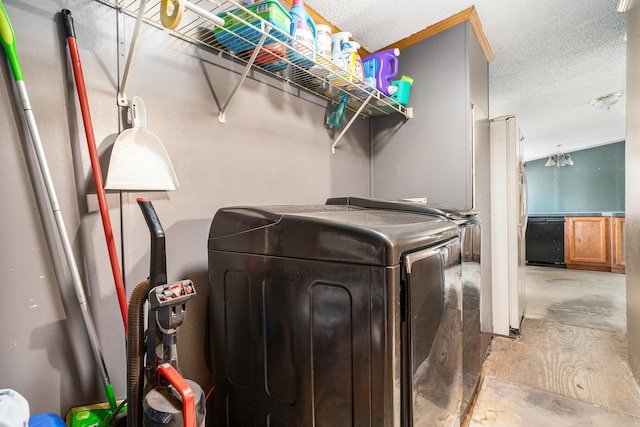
x=335, y=315
x=470, y=233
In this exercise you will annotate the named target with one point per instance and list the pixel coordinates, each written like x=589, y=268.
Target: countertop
x=563, y=214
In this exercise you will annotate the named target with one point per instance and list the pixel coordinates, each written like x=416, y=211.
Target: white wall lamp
x=559, y=159
x=605, y=102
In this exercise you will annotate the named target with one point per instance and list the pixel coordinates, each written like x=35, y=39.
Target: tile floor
x=569, y=365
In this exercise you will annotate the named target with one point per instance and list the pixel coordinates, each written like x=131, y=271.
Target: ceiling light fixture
x=606, y=101
x=623, y=6
x=559, y=159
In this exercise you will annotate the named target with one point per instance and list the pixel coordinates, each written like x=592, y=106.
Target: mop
x=7, y=38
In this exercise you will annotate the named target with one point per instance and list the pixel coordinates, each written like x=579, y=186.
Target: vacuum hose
x=135, y=354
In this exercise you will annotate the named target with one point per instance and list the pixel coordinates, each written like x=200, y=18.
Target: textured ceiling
x=552, y=57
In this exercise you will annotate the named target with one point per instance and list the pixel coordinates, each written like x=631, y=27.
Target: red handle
x=95, y=166
x=188, y=401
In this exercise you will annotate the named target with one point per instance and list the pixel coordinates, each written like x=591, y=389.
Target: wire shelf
x=245, y=32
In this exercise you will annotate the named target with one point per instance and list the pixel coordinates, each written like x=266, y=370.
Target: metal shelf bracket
x=123, y=101
x=247, y=68
x=353, y=119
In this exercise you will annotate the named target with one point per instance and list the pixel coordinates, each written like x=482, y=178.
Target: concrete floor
x=569, y=365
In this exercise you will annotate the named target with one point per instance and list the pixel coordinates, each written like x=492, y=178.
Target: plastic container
x=385, y=64
x=46, y=420
x=14, y=408
x=354, y=63
x=340, y=75
x=271, y=57
x=401, y=95
x=323, y=41
x=323, y=54
x=357, y=68
x=369, y=68
x=303, y=33
x=238, y=36
x=337, y=56
x=349, y=53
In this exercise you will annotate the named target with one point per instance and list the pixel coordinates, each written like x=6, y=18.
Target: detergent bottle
x=303, y=32
x=323, y=55
x=386, y=68
x=323, y=41
x=369, y=73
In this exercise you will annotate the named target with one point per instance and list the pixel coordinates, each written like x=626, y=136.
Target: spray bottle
x=303, y=32
x=358, y=68
x=337, y=56
x=340, y=75
x=386, y=68
x=349, y=52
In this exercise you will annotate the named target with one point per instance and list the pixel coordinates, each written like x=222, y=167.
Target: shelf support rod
x=123, y=101
x=202, y=12
x=256, y=50
x=353, y=119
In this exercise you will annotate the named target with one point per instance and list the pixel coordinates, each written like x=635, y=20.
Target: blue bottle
x=303, y=32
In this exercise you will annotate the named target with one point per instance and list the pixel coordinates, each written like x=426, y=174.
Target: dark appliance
x=334, y=316
x=545, y=241
x=469, y=224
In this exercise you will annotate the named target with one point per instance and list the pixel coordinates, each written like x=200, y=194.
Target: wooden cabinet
x=618, y=246
x=587, y=243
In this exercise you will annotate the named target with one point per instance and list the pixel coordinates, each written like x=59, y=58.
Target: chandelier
x=605, y=102
x=559, y=159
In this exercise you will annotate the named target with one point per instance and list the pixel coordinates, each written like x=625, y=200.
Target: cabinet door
x=618, y=246
x=587, y=243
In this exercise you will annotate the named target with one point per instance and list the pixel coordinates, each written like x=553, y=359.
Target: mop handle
x=8, y=41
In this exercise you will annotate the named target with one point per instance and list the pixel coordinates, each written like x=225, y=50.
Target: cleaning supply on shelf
x=303, y=33
x=386, y=68
x=323, y=41
x=335, y=118
x=349, y=52
x=340, y=76
x=323, y=54
x=403, y=89
x=241, y=30
x=337, y=40
x=369, y=68
x=357, y=66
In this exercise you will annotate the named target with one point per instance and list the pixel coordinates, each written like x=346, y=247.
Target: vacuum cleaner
x=157, y=393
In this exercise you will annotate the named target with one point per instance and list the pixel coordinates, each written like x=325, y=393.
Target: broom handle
x=95, y=164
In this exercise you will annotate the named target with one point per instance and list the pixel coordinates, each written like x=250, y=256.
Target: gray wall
x=431, y=155
x=632, y=155
x=273, y=149
x=595, y=183
x=414, y=158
